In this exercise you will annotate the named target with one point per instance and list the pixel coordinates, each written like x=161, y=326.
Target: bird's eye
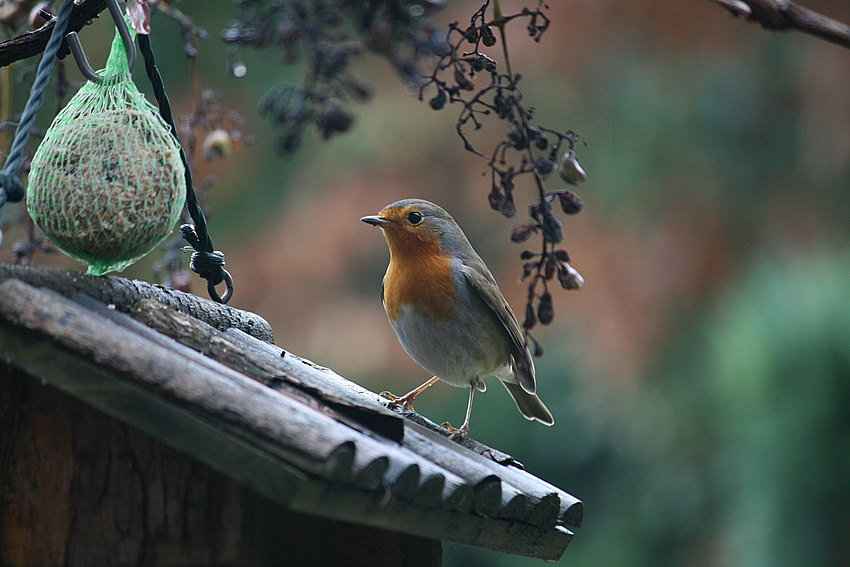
x=415, y=217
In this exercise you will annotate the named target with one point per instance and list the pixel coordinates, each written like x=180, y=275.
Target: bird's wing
x=480, y=279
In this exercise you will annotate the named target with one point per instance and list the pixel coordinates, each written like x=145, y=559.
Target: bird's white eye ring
x=415, y=217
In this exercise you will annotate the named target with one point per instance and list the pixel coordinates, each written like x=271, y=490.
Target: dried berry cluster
x=324, y=35
x=525, y=150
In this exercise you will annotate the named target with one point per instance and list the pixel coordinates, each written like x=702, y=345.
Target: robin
x=447, y=311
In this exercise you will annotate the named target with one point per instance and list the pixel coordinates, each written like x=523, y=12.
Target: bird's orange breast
x=419, y=275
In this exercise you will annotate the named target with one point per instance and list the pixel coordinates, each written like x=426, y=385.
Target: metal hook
x=228, y=293
x=126, y=38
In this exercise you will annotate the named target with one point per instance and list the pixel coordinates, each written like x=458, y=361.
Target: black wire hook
x=126, y=38
x=228, y=293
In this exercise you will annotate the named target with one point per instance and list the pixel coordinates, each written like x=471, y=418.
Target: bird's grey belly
x=456, y=350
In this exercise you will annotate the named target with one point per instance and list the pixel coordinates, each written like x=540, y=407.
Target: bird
x=448, y=312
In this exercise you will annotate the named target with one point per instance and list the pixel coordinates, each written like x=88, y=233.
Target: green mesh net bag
x=107, y=184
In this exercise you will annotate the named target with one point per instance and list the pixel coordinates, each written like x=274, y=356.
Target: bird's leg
x=462, y=431
x=406, y=400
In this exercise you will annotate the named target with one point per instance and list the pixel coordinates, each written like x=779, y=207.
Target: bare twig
x=784, y=15
x=32, y=43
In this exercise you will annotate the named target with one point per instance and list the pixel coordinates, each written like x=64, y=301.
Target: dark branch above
x=32, y=43
x=784, y=15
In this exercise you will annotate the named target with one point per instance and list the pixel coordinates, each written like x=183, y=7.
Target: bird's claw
x=395, y=401
x=459, y=433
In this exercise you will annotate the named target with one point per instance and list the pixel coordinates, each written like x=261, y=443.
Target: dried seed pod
x=537, y=136
x=515, y=136
x=522, y=232
x=502, y=105
x=538, y=350
x=544, y=166
x=495, y=197
x=571, y=204
x=552, y=230
x=545, y=309
x=476, y=62
x=508, y=207
x=508, y=179
x=361, y=90
x=488, y=38
x=289, y=143
x=571, y=170
x=439, y=100
x=569, y=278
x=549, y=268
x=463, y=82
x=530, y=318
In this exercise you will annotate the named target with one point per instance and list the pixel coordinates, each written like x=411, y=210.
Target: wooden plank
x=478, y=469
x=488, y=496
x=372, y=475
x=271, y=365
x=494, y=534
x=198, y=341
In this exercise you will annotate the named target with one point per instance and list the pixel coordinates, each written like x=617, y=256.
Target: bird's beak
x=377, y=220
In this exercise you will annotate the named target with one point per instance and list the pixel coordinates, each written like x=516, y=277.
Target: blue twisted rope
x=11, y=189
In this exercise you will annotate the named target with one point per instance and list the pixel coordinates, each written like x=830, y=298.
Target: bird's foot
x=405, y=401
x=456, y=432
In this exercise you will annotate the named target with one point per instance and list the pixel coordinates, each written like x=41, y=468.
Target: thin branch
x=32, y=43
x=784, y=15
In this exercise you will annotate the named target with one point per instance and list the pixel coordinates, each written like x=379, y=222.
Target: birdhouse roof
x=288, y=429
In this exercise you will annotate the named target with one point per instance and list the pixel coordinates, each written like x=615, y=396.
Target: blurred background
x=700, y=380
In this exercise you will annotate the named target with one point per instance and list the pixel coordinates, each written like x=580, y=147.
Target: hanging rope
x=206, y=261
x=11, y=189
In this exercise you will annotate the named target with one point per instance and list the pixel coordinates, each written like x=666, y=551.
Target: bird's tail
x=529, y=405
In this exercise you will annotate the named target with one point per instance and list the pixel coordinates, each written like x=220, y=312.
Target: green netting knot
x=107, y=184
